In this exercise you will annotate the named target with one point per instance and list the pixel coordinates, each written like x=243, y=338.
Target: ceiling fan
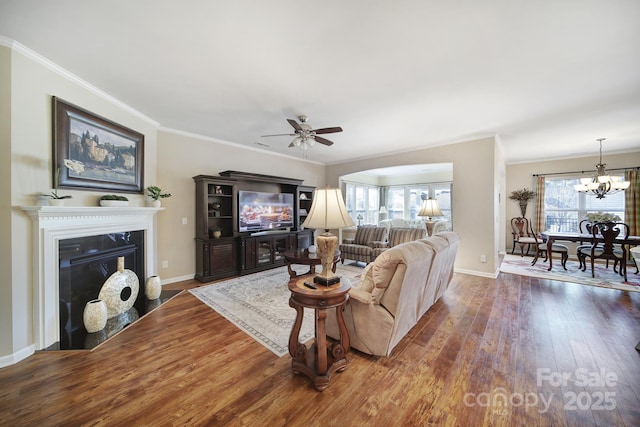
x=305, y=136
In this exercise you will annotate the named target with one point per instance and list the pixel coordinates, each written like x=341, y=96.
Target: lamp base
x=326, y=281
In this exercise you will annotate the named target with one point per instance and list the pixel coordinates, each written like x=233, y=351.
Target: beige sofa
x=431, y=227
x=395, y=291
x=398, y=236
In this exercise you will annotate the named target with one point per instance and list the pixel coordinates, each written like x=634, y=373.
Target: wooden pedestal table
x=322, y=359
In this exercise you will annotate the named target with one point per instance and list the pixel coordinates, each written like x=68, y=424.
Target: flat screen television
x=258, y=211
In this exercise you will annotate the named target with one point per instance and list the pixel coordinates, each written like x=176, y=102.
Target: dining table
x=551, y=236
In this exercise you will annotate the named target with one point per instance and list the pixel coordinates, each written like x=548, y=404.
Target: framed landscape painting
x=94, y=153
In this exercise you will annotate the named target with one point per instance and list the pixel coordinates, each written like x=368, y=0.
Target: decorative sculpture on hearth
x=120, y=290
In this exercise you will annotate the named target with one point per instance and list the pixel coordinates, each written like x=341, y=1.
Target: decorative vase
x=95, y=315
x=56, y=202
x=120, y=290
x=217, y=234
x=156, y=203
x=523, y=207
x=153, y=287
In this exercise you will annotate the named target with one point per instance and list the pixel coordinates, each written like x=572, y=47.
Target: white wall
x=474, y=195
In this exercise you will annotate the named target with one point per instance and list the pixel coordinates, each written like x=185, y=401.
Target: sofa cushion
x=369, y=233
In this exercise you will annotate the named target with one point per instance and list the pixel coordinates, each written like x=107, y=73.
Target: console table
x=322, y=359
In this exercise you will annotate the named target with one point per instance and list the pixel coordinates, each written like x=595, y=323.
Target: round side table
x=322, y=359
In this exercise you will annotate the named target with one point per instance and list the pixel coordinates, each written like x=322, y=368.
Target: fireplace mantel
x=54, y=223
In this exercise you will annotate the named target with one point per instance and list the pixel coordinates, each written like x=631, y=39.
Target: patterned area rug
x=605, y=277
x=259, y=305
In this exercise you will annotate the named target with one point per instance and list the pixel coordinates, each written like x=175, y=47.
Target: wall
x=6, y=293
x=520, y=175
x=474, y=200
x=32, y=82
x=183, y=156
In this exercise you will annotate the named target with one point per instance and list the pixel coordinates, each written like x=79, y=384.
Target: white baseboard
x=11, y=359
x=176, y=279
x=477, y=273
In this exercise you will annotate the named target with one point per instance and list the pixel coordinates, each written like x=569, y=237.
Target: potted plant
x=74, y=165
x=156, y=193
x=113, y=200
x=601, y=217
x=522, y=197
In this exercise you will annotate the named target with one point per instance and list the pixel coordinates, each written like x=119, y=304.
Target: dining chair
x=607, y=250
x=522, y=233
x=585, y=228
x=556, y=248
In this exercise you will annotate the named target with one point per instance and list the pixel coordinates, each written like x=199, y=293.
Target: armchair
x=360, y=248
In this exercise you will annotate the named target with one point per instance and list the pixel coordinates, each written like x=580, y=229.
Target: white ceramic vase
x=120, y=290
x=153, y=287
x=56, y=202
x=95, y=315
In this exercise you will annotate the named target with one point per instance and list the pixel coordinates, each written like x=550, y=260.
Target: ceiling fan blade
x=328, y=130
x=295, y=124
x=322, y=140
x=291, y=145
x=280, y=134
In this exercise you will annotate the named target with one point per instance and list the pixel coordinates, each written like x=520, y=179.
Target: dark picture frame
x=111, y=155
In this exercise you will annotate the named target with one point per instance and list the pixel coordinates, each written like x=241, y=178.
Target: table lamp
x=327, y=212
x=430, y=209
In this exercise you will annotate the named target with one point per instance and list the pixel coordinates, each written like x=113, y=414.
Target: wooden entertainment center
x=234, y=251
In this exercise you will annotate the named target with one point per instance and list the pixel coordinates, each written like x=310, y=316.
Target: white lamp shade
x=328, y=210
x=430, y=208
x=383, y=210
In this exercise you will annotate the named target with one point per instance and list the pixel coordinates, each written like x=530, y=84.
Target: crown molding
x=36, y=57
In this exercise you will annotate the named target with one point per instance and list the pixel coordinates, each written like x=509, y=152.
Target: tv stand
x=265, y=232
x=221, y=250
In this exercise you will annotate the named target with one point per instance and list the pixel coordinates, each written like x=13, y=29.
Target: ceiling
x=547, y=77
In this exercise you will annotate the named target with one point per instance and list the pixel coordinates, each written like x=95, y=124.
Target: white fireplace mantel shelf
x=54, y=223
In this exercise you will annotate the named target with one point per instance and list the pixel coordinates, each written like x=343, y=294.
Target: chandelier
x=601, y=184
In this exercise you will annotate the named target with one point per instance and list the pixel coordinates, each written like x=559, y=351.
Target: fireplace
x=59, y=227
x=85, y=265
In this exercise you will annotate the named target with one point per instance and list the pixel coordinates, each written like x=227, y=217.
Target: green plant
x=601, y=217
x=523, y=195
x=114, y=197
x=156, y=192
x=74, y=165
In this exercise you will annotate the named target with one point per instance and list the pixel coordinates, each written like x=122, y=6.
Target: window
x=564, y=207
x=404, y=202
x=363, y=199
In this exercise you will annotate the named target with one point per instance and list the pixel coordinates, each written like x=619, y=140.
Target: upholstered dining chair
x=608, y=250
x=522, y=233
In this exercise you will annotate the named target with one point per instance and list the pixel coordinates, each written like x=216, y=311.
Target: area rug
x=605, y=277
x=258, y=304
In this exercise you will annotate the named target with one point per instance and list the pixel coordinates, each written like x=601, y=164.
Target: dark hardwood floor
x=510, y=351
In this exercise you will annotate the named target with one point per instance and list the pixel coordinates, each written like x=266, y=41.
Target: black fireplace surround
x=85, y=264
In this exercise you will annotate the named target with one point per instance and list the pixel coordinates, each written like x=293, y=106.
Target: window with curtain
x=564, y=207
